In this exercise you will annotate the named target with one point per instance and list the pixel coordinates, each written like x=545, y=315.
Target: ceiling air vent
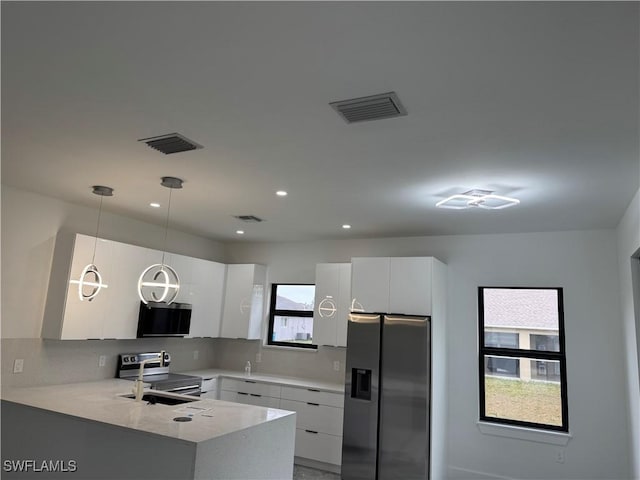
x=171, y=143
x=374, y=107
x=248, y=218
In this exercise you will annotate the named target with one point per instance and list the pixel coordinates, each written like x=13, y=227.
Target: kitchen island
x=91, y=431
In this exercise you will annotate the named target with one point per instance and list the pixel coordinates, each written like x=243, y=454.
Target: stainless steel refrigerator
x=387, y=397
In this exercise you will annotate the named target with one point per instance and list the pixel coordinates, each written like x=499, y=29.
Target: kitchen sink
x=163, y=399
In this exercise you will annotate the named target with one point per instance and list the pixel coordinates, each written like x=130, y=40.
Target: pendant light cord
x=166, y=227
x=95, y=242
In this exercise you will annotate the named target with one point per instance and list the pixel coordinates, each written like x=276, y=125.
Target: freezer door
x=404, y=399
x=360, y=432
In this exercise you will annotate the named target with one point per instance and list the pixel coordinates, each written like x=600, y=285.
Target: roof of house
x=521, y=308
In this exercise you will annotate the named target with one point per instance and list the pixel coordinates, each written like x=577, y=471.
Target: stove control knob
x=125, y=359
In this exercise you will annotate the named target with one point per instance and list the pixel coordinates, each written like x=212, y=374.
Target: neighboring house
x=523, y=319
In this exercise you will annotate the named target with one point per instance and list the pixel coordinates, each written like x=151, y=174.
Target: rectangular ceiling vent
x=374, y=107
x=171, y=143
x=248, y=218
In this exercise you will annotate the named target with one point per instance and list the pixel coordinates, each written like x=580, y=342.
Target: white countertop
x=102, y=402
x=270, y=378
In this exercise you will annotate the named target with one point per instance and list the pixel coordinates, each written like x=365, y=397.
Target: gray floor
x=307, y=473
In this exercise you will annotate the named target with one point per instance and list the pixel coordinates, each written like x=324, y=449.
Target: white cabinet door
x=210, y=388
x=410, y=285
x=206, y=293
x=262, y=401
x=332, y=302
x=312, y=416
x=318, y=446
x=128, y=262
x=326, y=304
x=370, y=284
x=84, y=319
x=344, y=304
x=243, y=301
x=228, y=396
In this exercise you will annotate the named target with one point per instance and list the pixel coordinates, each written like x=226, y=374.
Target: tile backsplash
x=66, y=361
x=49, y=362
x=314, y=364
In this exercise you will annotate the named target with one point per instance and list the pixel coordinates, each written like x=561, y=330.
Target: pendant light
x=90, y=276
x=160, y=275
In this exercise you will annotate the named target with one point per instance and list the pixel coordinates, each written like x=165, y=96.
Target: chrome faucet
x=138, y=388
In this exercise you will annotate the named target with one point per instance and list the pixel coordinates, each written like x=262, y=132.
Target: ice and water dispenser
x=361, y=383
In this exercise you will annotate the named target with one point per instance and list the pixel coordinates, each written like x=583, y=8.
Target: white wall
x=600, y=350
x=30, y=223
x=628, y=233
x=584, y=264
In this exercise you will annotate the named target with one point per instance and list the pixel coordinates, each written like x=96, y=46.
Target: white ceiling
x=533, y=100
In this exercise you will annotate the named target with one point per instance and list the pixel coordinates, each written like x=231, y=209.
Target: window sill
x=290, y=349
x=522, y=433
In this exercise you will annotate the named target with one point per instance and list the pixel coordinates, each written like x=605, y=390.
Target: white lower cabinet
x=318, y=446
x=250, y=392
x=319, y=414
x=318, y=422
x=210, y=388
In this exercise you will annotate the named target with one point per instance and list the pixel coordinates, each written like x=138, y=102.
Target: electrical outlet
x=18, y=365
x=258, y=357
x=102, y=361
x=336, y=365
x=559, y=454
x=196, y=354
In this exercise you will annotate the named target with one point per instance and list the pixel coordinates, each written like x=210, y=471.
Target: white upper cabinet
x=332, y=301
x=370, y=284
x=84, y=319
x=206, y=294
x=127, y=263
x=243, y=301
x=392, y=285
x=410, y=285
x=113, y=313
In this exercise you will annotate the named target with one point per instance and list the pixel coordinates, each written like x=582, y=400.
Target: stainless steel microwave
x=159, y=319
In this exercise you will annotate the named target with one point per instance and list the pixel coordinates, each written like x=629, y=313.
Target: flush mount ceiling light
x=90, y=276
x=281, y=193
x=477, y=198
x=160, y=277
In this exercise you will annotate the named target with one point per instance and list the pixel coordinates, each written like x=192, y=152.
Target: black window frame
x=273, y=313
x=517, y=353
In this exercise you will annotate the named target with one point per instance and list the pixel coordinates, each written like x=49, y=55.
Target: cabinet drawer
x=319, y=446
x=262, y=401
x=209, y=384
x=319, y=418
x=313, y=396
x=230, y=397
x=251, y=387
x=248, y=399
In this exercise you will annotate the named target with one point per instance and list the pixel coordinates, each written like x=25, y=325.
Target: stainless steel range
x=156, y=372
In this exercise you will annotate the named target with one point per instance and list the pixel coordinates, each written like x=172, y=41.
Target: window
x=523, y=379
x=291, y=315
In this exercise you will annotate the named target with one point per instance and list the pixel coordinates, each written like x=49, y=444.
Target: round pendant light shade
x=159, y=282
x=90, y=281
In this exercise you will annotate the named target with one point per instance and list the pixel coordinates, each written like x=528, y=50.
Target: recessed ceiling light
x=154, y=205
x=240, y=232
x=281, y=193
x=346, y=226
